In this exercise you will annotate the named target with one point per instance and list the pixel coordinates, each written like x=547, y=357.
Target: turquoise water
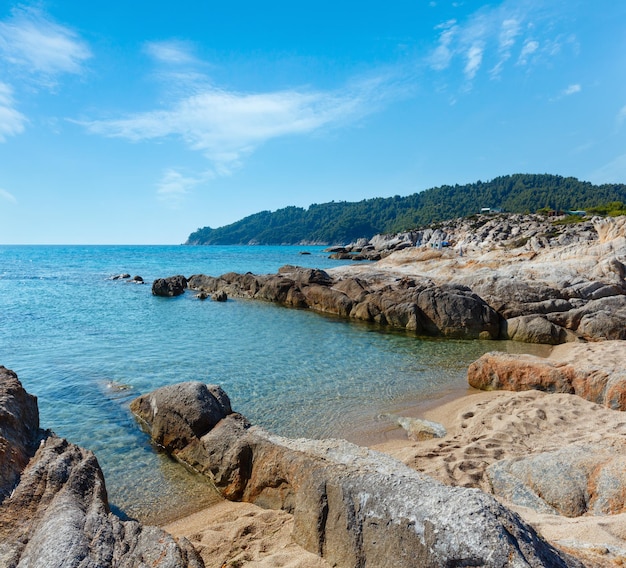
x=86, y=345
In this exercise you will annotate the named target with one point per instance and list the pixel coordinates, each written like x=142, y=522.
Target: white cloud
x=226, y=126
x=530, y=47
x=174, y=186
x=571, y=90
x=474, y=60
x=11, y=120
x=171, y=52
x=491, y=36
x=4, y=194
x=443, y=53
x=36, y=46
x=509, y=31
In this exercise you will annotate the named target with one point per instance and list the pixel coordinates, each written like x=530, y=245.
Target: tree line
x=343, y=222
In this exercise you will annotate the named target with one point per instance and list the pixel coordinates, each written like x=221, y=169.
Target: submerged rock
x=352, y=506
x=53, y=503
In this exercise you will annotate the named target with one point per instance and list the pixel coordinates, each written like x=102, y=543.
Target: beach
x=482, y=427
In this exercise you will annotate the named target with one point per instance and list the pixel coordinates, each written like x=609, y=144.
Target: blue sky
x=138, y=122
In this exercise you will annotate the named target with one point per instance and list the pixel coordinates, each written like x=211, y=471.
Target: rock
x=513, y=297
x=603, y=318
x=503, y=371
x=122, y=276
x=306, y=275
x=573, y=481
x=56, y=513
x=418, y=429
x=451, y=311
x=327, y=300
x=357, y=507
x=591, y=371
x=19, y=430
x=219, y=296
x=168, y=287
x=178, y=414
x=455, y=311
x=202, y=295
x=537, y=329
x=137, y=280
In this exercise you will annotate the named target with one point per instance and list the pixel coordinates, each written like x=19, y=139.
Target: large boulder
x=357, y=507
x=593, y=371
x=536, y=329
x=455, y=311
x=54, y=510
x=572, y=481
x=168, y=287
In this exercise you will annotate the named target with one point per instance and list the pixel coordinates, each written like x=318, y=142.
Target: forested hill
x=344, y=222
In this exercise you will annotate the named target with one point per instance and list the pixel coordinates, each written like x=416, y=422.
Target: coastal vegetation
x=343, y=222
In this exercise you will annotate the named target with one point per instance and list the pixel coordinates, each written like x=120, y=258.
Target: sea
x=86, y=345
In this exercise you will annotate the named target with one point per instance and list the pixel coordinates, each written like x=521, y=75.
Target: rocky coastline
x=499, y=278
x=526, y=471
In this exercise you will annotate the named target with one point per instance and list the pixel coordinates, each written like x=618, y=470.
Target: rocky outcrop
x=53, y=502
x=587, y=370
x=552, y=283
x=170, y=286
x=420, y=307
x=352, y=506
x=572, y=481
x=504, y=230
x=492, y=277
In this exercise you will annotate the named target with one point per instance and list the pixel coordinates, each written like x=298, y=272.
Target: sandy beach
x=482, y=428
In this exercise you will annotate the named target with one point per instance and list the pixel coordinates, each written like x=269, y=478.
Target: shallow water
x=86, y=345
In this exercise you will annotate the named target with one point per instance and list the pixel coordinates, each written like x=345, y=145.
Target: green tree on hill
x=342, y=222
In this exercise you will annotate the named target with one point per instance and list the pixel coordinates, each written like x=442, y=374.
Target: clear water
x=70, y=332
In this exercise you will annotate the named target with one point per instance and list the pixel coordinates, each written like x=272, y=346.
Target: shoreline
x=483, y=427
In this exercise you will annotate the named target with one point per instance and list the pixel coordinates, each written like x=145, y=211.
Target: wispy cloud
x=226, y=126
x=514, y=32
x=174, y=187
x=572, y=89
x=34, y=45
x=509, y=30
x=34, y=52
x=443, y=53
x=171, y=52
x=11, y=120
x=4, y=194
x=568, y=92
x=530, y=46
x=474, y=59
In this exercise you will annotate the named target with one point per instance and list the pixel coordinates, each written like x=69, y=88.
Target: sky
x=139, y=122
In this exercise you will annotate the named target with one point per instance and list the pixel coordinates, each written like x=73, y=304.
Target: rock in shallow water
x=353, y=506
x=53, y=506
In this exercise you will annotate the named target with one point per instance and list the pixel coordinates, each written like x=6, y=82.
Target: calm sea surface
x=86, y=345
